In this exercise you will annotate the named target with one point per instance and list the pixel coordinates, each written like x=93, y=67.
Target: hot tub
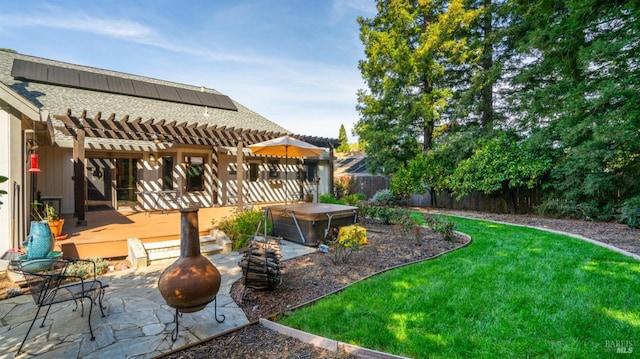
x=308, y=223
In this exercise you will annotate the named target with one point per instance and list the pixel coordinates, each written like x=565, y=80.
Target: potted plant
x=308, y=196
x=55, y=222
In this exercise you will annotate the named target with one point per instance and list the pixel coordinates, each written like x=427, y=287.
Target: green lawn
x=514, y=292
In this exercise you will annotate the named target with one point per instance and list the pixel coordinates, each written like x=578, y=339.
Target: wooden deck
x=106, y=232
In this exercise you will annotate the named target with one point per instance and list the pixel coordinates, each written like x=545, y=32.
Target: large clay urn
x=192, y=281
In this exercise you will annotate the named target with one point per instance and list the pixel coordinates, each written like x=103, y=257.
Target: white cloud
x=55, y=17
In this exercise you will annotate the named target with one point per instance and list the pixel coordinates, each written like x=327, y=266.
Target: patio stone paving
x=138, y=322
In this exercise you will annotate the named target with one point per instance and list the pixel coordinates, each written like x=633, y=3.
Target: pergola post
x=239, y=175
x=79, y=176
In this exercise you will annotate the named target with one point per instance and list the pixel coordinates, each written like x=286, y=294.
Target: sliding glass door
x=126, y=181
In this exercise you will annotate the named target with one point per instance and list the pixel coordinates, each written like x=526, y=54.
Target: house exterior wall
x=268, y=188
x=5, y=170
x=11, y=160
x=195, y=198
x=56, y=177
x=324, y=172
x=150, y=181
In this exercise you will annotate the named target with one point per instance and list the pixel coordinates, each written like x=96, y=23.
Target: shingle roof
x=59, y=99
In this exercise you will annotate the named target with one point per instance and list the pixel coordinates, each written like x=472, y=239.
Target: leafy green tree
x=473, y=74
x=408, y=45
x=432, y=170
x=578, y=90
x=426, y=172
x=344, y=141
x=498, y=166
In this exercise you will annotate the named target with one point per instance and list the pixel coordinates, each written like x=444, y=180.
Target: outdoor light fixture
x=34, y=164
x=152, y=158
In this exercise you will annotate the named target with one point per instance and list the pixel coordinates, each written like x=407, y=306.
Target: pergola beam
x=180, y=133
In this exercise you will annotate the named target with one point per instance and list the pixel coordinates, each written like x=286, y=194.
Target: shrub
x=383, y=197
x=444, y=226
x=346, y=185
x=241, y=226
x=586, y=211
x=409, y=226
x=354, y=199
x=341, y=250
x=630, y=212
x=327, y=198
x=559, y=209
x=84, y=269
x=387, y=215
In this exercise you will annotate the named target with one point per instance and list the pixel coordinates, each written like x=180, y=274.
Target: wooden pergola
x=153, y=130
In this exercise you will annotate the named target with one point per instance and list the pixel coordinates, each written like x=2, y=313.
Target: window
x=253, y=172
x=311, y=170
x=167, y=173
x=195, y=173
x=273, y=168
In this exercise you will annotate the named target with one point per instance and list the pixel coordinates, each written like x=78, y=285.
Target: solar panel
x=57, y=75
x=93, y=81
x=208, y=99
x=168, y=93
x=145, y=89
x=189, y=96
x=225, y=102
x=63, y=76
x=29, y=70
x=120, y=85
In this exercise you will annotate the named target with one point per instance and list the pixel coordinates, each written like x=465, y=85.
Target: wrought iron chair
x=49, y=284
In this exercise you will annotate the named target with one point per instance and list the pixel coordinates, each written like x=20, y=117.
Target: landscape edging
x=325, y=343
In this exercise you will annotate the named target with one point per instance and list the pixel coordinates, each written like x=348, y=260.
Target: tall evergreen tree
x=408, y=45
x=577, y=95
x=343, y=140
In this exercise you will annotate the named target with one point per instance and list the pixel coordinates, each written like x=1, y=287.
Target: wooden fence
x=524, y=200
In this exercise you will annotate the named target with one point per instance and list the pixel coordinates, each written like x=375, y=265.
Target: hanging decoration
x=34, y=164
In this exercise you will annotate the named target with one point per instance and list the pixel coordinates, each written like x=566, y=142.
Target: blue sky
x=292, y=61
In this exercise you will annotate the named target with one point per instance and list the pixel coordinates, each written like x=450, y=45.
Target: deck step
x=168, y=251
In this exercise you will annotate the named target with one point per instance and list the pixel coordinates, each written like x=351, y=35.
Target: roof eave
x=19, y=103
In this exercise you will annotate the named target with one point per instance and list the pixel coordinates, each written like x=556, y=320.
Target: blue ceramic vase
x=40, y=240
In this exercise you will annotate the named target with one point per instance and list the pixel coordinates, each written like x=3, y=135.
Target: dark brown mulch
x=311, y=276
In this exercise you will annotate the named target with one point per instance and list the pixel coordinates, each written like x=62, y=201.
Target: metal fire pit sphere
x=192, y=281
